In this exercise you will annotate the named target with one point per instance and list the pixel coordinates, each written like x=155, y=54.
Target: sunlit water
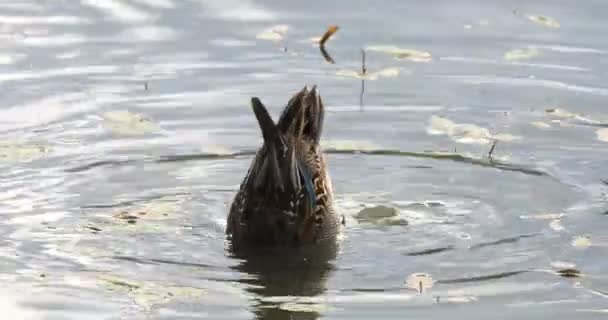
x=120, y=120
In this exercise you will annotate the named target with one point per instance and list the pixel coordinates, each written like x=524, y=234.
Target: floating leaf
x=465, y=132
x=544, y=20
x=520, y=54
x=386, y=73
x=159, y=210
x=581, y=242
x=147, y=293
x=402, y=53
x=275, y=33
x=556, y=225
x=540, y=124
x=419, y=282
x=127, y=123
x=20, y=152
x=602, y=134
x=381, y=215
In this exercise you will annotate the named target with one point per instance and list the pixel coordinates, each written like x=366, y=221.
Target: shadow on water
x=285, y=272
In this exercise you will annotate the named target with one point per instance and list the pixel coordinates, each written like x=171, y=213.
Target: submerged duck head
x=286, y=196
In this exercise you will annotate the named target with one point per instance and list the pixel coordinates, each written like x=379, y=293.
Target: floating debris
x=20, y=152
x=561, y=113
x=602, y=134
x=543, y=216
x=581, y=242
x=128, y=123
x=569, y=273
x=543, y=20
x=563, y=265
x=403, y=54
x=384, y=73
x=556, y=225
x=275, y=33
x=521, y=54
x=419, y=281
x=160, y=210
x=148, y=294
x=540, y=124
x=330, y=32
x=465, y=132
x=381, y=216
x=304, y=306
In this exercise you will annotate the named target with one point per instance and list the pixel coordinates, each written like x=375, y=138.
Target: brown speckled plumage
x=286, y=197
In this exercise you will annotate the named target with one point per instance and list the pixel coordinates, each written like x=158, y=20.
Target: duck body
x=286, y=198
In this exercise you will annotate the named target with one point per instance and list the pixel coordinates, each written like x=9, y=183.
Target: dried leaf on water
x=275, y=33
x=465, y=132
x=20, y=152
x=543, y=20
x=521, y=54
x=330, y=32
x=128, y=123
x=403, y=53
x=383, y=73
x=581, y=241
x=419, y=282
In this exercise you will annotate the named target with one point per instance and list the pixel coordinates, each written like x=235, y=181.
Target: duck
x=286, y=196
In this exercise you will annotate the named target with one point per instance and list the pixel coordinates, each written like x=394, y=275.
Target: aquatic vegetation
x=20, y=152
x=403, y=53
x=381, y=215
x=148, y=294
x=128, y=123
x=521, y=54
x=275, y=33
x=581, y=241
x=543, y=20
x=419, y=281
x=465, y=132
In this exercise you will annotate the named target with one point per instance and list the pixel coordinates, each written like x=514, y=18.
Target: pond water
x=125, y=130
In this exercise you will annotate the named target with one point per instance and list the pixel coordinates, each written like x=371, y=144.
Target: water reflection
x=285, y=272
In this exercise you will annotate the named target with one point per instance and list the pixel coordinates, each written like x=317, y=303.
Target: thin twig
x=363, y=69
x=492, y=149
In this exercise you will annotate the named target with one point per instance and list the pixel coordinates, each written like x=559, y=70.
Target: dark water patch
x=503, y=241
x=157, y=261
x=429, y=251
x=482, y=278
x=97, y=164
x=445, y=156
